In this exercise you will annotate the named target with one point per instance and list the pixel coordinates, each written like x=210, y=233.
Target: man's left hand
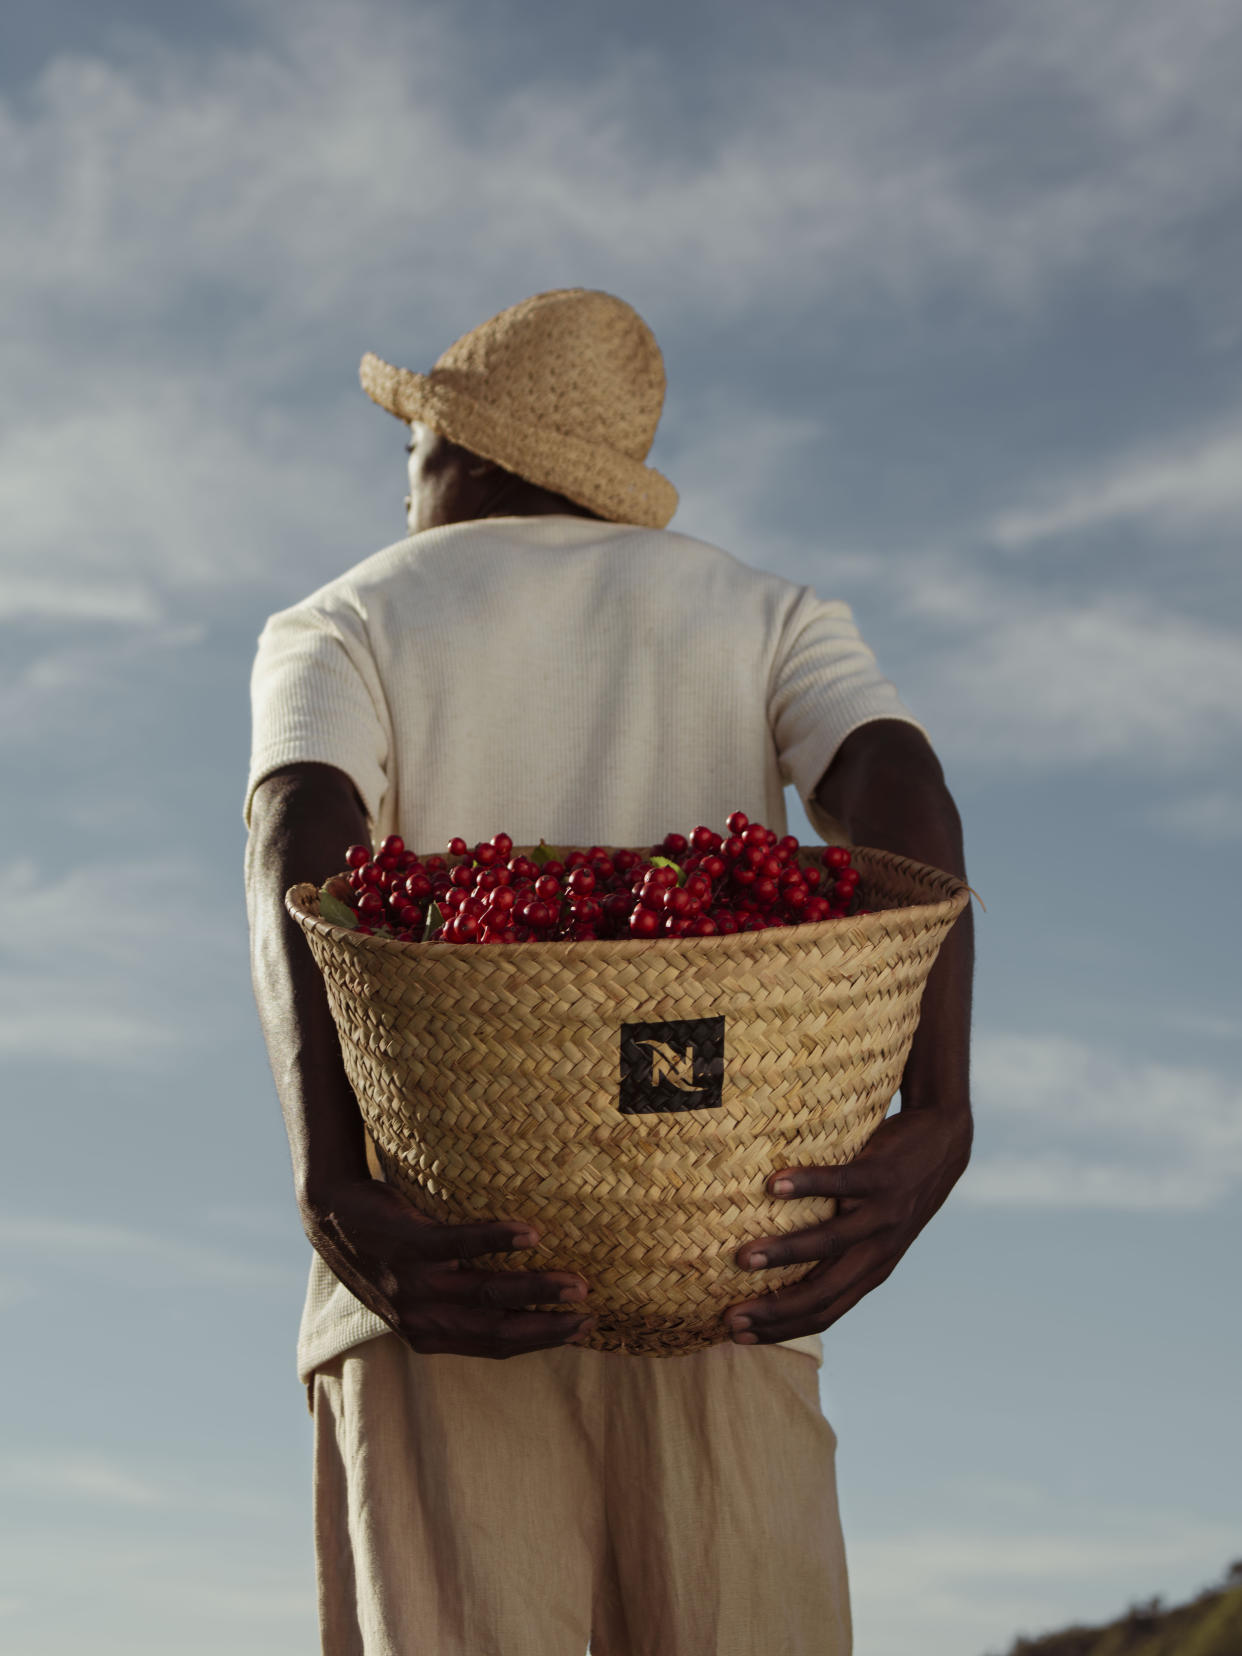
x=885, y=1197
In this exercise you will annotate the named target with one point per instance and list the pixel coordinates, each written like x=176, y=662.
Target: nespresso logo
x=671, y=1066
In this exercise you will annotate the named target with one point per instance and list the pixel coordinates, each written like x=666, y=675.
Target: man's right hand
x=409, y=1271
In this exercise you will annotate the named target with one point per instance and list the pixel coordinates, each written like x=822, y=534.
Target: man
x=540, y=655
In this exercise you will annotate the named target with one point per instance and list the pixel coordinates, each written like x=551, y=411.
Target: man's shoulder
x=442, y=557
x=345, y=596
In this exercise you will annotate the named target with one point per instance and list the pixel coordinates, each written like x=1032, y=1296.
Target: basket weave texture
x=524, y=1082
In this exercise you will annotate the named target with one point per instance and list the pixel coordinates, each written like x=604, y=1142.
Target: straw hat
x=565, y=389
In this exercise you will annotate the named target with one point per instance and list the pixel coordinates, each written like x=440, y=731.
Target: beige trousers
x=655, y=1506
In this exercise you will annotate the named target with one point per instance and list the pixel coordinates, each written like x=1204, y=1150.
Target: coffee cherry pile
x=704, y=885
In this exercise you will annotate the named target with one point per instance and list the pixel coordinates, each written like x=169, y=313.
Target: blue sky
x=951, y=304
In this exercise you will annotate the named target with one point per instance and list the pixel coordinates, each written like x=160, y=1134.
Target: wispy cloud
x=1063, y=1124
x=198, y=237
x=51, y=694
x=46, y=1236
x=29, y=598
x=78, y=1475
x=1029, y=1572
x=1212, y=815
x=180, y=168
x=1011, y=676
x=102, y=963
x=1186, y=486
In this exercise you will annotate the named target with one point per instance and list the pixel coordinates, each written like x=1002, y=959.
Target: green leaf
x=335, y=912
x=667, y=862
x=435, y=919
x=545, y=853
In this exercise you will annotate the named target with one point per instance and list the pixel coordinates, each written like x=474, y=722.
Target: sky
x=950, y=299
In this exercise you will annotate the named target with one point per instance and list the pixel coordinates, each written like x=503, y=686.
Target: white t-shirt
x=558, y=678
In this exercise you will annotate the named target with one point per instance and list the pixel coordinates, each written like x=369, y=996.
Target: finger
x=823, y=1296
x=504, y=1290
x=434, y=1243
x=826, y=1241
x=856, y=1178
x=794, y=1328
x=475, y=1333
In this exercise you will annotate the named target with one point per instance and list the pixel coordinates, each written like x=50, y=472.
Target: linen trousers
x=651, y=1506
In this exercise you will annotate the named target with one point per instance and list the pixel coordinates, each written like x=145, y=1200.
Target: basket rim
x=608, y=947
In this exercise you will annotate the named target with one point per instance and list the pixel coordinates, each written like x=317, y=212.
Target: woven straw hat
x=564, y=389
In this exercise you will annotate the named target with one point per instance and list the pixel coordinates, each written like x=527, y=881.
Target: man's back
x=562, y=678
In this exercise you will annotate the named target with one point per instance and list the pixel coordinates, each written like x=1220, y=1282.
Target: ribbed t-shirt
x=564, y=679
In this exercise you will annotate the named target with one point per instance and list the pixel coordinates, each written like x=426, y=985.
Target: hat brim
x=593, y=475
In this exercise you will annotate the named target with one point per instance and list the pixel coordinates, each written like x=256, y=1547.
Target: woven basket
x=631, y=1098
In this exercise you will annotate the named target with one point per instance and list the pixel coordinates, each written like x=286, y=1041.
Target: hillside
x=1210, y=1625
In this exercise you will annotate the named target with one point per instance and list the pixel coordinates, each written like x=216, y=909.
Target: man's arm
x=410, y=1271
x=302, y=818
x=886, y=788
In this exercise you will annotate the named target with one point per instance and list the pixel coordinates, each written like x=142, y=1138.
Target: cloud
x=1184, y=487
x=81, y=1241
x=1008, y=675
x=105, y=964
x=77, y=1475
x=1063, y=1124
x=30, y=598
x=295, y=167
x=1213, y=816
x=67, y=679
x=197, y=240
x=169, y=492
x=1022, y=1572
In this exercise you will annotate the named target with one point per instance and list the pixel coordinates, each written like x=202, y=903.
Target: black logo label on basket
x=671, y=1066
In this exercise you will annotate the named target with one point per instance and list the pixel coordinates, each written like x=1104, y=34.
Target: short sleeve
x=825, y=683
x=316, y=697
